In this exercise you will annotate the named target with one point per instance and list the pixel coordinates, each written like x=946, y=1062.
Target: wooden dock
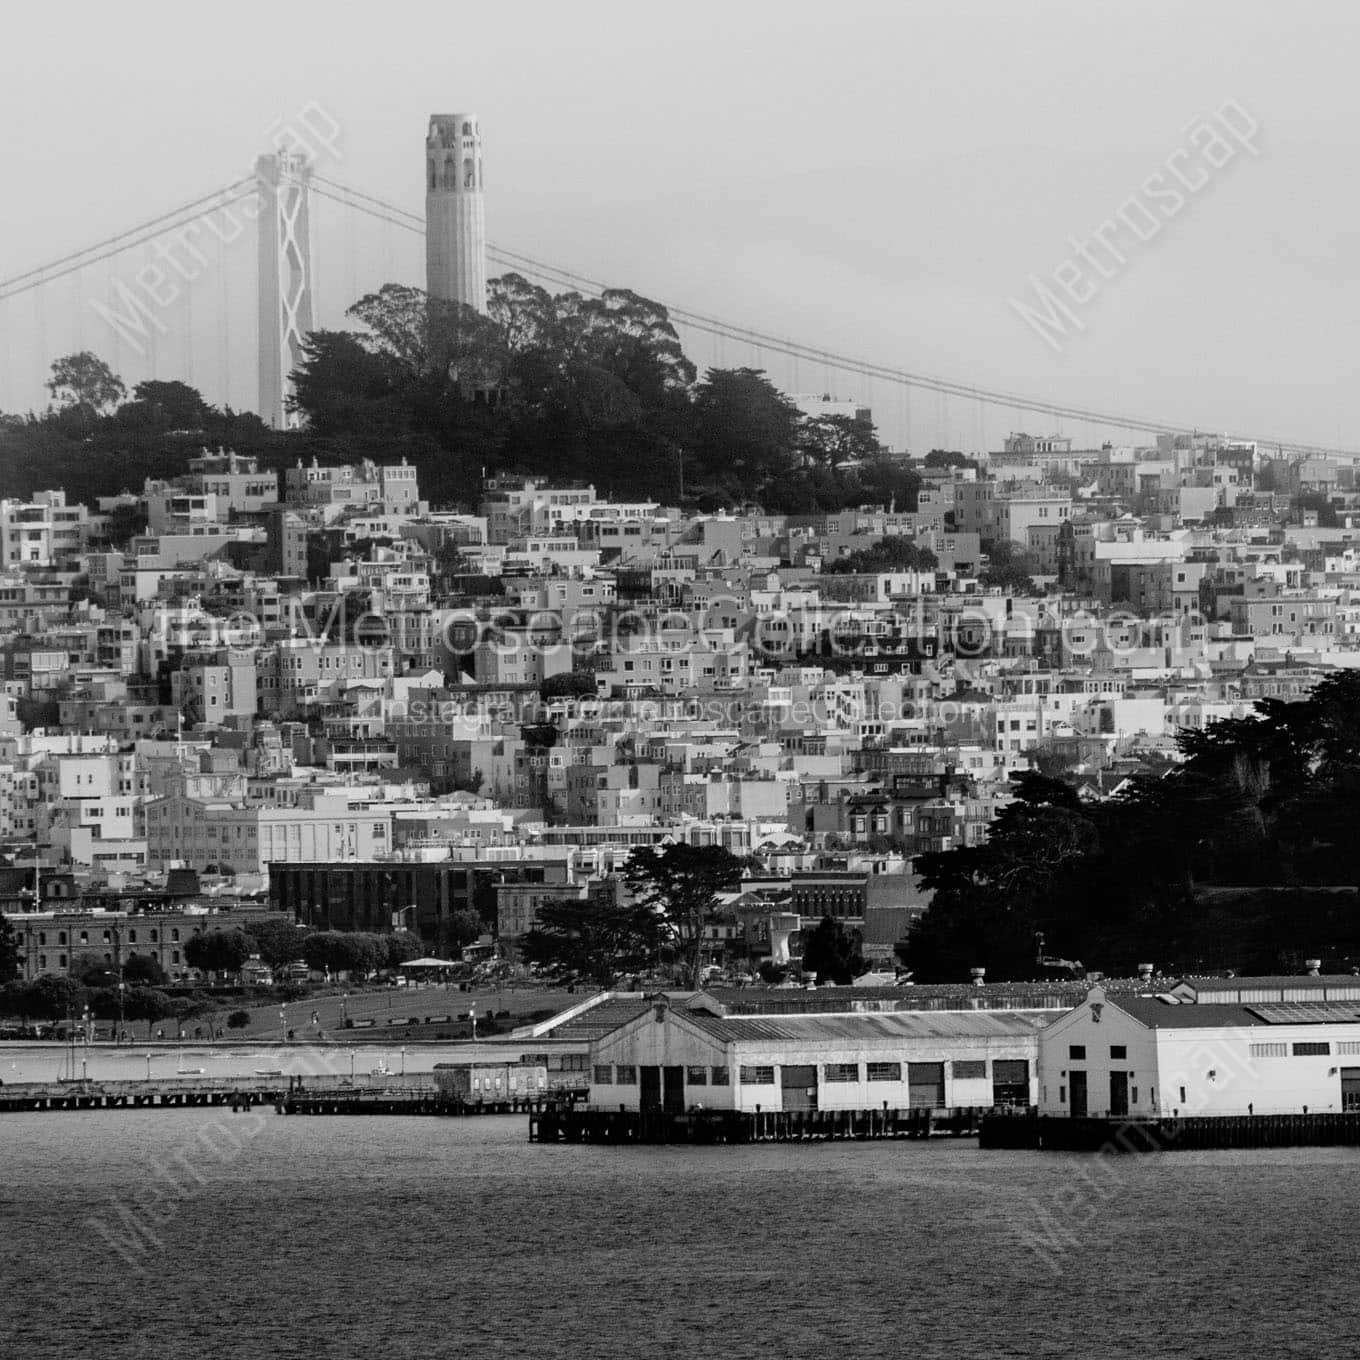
x=319, y=1095
x=1194, y=1133
x=430, y=1103
x=578, y=1125
x=53, y=1097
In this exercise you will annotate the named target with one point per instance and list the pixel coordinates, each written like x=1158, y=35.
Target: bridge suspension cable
x=153, y=227
x=865, y=368
x=390, y=213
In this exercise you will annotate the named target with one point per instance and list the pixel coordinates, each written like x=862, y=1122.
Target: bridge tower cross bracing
x=285, y=277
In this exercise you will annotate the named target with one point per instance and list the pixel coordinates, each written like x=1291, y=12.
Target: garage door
x=925, y=1085
x=1010, y=1081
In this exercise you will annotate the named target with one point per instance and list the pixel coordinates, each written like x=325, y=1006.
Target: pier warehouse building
x=664, y=1057
x=1160, y=1056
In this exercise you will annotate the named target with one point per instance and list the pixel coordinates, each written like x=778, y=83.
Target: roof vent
x=1314, y=966
x=979, y=976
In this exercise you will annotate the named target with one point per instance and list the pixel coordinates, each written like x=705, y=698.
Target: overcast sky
x=877, y=179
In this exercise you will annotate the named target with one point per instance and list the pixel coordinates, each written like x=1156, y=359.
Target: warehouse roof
x=862, y=1027
x=1157, y=1013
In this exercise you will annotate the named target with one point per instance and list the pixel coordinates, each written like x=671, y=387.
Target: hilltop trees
x=594, y=389
x=1230, y=859
x=84, y=382
x=893, y=553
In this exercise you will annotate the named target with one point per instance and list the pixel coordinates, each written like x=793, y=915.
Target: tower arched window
x=450, y=172
x=467, y=129
x=469, y=173
x=434, y=175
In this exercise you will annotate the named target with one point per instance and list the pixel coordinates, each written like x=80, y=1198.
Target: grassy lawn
x=383, y=1005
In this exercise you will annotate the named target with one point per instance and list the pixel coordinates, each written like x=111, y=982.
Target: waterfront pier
x=1195, y=1133
x=573, y=1125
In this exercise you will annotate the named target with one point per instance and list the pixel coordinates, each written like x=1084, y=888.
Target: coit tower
x=455, y=215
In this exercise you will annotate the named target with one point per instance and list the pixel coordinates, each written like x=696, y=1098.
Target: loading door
x=674, y=1100
x=649, y=1089
x=1350, y=1088
x=1078, y=1082
x=799, y=1087
x=1010, y=1081
x=925, y=1086
x=1119, y=1093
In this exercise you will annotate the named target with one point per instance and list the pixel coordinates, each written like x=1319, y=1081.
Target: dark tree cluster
x=893, y=553
x=1243, y=856
x=591, y=389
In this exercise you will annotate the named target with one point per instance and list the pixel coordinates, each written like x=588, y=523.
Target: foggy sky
x=878, y=179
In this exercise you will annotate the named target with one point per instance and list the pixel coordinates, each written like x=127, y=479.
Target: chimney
x=1314, y=966
x=979, y=976
x=1144, y=972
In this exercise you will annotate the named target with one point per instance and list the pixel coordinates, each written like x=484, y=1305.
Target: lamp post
x=148, y=1067
x=283, y=1025
x=403, y=1062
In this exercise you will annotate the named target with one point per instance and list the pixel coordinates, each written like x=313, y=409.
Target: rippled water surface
x=203, y=1234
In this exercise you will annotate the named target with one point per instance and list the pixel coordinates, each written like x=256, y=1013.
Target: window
x=625, y=1075
x=757, y=1076
x=1348, y=1046
x=604, y=1075
x=885, y=1071
x=696, y=1076
x=972, y=1068
x=721, y=1077
x=1077, y=1051
x=1311, y=1050
x=1062, y=1095
x=1119, y=1051
x=842, y=1071
x=1269, y=1050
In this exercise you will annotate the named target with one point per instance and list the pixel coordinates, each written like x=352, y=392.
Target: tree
x=219, y=951
x=832, y=953
x=238, y=1020
x=345, y=951
x=1321, y=504
x=55, y=998
x=402, y=947
x=165, y=406
x=147, y=1003
x=125, y=522
x=278, y=942
x=86, y=382
x=141, y=969
x=948, y=458
x=461, y=929
x=680, y=883
x=893, y=553
x=568, y=684
x=746, y=430
x=591, y=939
x=11, y=959
x=92, y=970
x=1010, y=567
x=829, y=440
